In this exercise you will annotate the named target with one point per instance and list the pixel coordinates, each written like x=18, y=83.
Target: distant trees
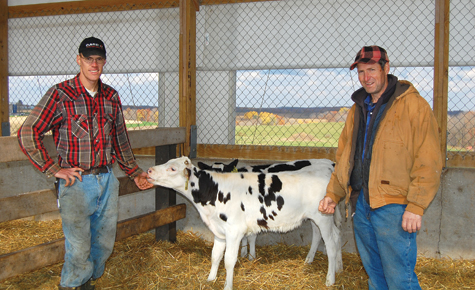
x=461, y=131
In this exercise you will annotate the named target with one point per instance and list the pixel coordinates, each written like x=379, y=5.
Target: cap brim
x=371, y=61
x=90, y=52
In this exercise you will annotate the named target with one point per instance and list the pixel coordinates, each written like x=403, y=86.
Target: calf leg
x=244, y=247
x=216, y=256
x=339, y=259
x=252, y=246
x=315, y=242
x=230, y=259
x=327, y=226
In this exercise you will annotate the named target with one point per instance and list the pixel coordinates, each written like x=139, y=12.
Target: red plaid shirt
x=88, y=132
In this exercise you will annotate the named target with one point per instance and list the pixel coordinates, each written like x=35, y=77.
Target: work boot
x=89, y=285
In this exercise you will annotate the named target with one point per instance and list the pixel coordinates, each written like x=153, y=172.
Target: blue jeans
x=388, y=253
x=89, y=212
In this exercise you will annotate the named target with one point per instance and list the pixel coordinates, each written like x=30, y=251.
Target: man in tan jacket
x=388, y=167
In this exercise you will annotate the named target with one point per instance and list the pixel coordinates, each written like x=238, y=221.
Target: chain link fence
x=284, y=65
x=142, y=60
x=268, y=72
x=461, y=104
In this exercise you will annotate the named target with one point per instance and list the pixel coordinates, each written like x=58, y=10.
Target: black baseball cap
x=92, y=46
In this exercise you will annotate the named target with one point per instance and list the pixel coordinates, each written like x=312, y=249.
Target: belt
x=96, y=170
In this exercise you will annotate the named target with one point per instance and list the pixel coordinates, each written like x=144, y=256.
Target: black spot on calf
x=262, y=223
x=261, y=180
x=259, y=168
x=280, y=202
x=263, y=212
x=223, y=217
x=207, y=191
x=242, y=207
x=289, y=167
x=222, y=198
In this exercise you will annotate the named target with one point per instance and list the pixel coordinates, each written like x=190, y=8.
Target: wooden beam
x=31, y=259
x=88, y=6
x=147, y=222
x=441, y=71
x=77, y=7
x=10, y=151
x=4, y=100
x=264, y=152
x=46, y=254
x=28, y=204
x=44, y=201
x=187, y=69
x=461, y=159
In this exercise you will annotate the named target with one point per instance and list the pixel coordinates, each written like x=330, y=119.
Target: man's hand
x=411, y=222
x=141, y=181
x=327, y=205
x=69, y=174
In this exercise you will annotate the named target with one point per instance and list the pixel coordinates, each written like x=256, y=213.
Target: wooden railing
x=163, y=219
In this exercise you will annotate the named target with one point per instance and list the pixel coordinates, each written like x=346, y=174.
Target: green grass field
x=314, y=134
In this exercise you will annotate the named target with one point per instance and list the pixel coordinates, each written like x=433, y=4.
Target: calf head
x=173, y=174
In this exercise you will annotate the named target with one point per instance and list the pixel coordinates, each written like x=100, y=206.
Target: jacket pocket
x=395, y=168
x=392, y=190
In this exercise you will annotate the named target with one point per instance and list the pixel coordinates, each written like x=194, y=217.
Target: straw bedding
x=140, y=262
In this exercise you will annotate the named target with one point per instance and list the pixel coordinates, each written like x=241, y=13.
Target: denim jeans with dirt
x=388, y=253
x=89, y=212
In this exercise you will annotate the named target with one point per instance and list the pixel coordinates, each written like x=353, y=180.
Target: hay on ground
x=139, y=262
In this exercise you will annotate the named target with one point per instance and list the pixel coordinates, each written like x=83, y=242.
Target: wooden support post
x=441, y=71
x=165, y=197
x=4, y=108
x=187, y=74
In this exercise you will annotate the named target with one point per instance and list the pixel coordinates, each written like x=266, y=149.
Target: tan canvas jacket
x=406, y=162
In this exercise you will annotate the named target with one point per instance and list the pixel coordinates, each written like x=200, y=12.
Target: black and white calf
x=233, y=205
x=297, y=166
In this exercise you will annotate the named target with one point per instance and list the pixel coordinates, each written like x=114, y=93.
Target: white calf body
x=296, y=166
x=234, y=205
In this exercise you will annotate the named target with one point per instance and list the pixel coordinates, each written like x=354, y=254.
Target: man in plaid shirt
x=86, y=119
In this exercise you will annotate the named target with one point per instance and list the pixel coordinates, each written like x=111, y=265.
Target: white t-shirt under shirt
x=91, y=93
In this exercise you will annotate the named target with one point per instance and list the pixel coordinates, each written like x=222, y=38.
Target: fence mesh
x=290, y=61
x=140, y=66
x=461, y=103
x=268, y=72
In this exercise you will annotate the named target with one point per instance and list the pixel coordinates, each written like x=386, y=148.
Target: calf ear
x=234, y=163
x=204, y=166
x=186, y=172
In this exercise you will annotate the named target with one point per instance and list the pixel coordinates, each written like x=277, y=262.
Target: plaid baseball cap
x=92, y=46
x=371, y=55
